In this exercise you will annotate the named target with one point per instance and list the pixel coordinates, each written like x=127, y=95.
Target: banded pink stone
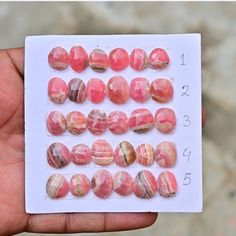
x=158, y=59
x=118, y=59
x=138, y=59
x=58, y=58
x=123, y=183
x=81, y=154
x=145, y=154
x=56, y=123
x=78, y=58
x=79, y=185
x=118, y=122
x=76, y=122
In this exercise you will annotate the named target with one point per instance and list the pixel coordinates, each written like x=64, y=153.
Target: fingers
x=89, y=222
x=204, y=117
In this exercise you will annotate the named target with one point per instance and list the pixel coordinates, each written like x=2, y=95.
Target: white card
x=184, y=71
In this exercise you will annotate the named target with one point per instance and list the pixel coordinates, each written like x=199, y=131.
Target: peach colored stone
x=81, y=154
x=117, y=122
x=158, y=59
x=98, y=60
x=118, y=90
x=138, y=59
x=78, y=58
x=96, y=90
x=77, y=90
x=56, y=123
x=76, y=122
x=58, y=58
x=118, y=59
x=165, y=120
x=139, y=89
x=145, y=154
x=79, y=185
x=161, y=90
x=123, y=183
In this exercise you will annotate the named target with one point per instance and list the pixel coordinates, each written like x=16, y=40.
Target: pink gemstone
x=117, y=122
x=124, y=154
x=57, y=90
x=161, y=90
x=58, y=155
x=102, y=184
x=166, y=154
x=145, y=185
x=58, y=58
x=97, y=121
x=79, y=185
x=102, y=153
x=166, y=184
x=123, y=183
x=145, y=154
x=57, y=186
x=76, y=122
x=77, y=90
x=158, y=59
x=96, y=90
x=81, y=154
x=139, y=89
x=165, y=120
x=118, y=90
x=78, y=58
x=141, y=120
x=118, y=59
x=98, y=60
x=56, y=123
x=138, y=59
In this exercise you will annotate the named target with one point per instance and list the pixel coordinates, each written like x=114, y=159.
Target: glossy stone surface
x=102, y=152
x=166, y=154
x=79, y=185
x=145, y=185
x=118, y=90
x=98, y=60
x=140, y=89
x=97, y=121
x=56, y=123
x=166, y=184
x=145, y=154
x=57, y=90
x=58, y=155
x=96, y=90
x=161, y=90
x=141, y=120
x=123, y=183
x=78, y=58
x=57, y=186
x=77, y=90
x=58, y=58
x=118, y=59
x=124, y=154
x=118, y=122
x=102, y=184
x=81, y=154
x=138, y=59
x=158, y=59
x=76, y=122
x=165, y=120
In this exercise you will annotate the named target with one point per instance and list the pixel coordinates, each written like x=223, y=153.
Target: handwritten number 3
x=187, y=121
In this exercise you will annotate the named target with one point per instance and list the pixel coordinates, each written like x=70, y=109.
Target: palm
x=12, y=214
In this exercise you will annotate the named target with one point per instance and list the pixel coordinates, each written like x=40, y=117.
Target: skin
x=13, y=217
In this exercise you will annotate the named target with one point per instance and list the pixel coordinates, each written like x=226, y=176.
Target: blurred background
x=216, y=23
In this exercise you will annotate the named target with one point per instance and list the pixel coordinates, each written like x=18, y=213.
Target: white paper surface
x=38, y=105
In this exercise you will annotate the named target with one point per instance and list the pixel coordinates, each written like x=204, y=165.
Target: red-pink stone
x=102, y=184
x=102, y=153
x=139, y=89
x=79, y=185
x=96, y=90
x=58, y=155
x=145, y=185
x=57, y=186
x=161, y=90
x=158, y=59
x=138, y=59
x=124, y=154
x=141, y=120
x=118, y=90
x=123, y=183
x=165, y=120
x=166, y=154
x=77, y=90
x=166, y=184
x=97, y=121
x=145, y=154
x=76, y=122
x=57, y=90
x=81, y=154
x=56, y=123
x=58, y=58
x=118, y=59
x=78, y=58
x=98, y=60
x=117, y=122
